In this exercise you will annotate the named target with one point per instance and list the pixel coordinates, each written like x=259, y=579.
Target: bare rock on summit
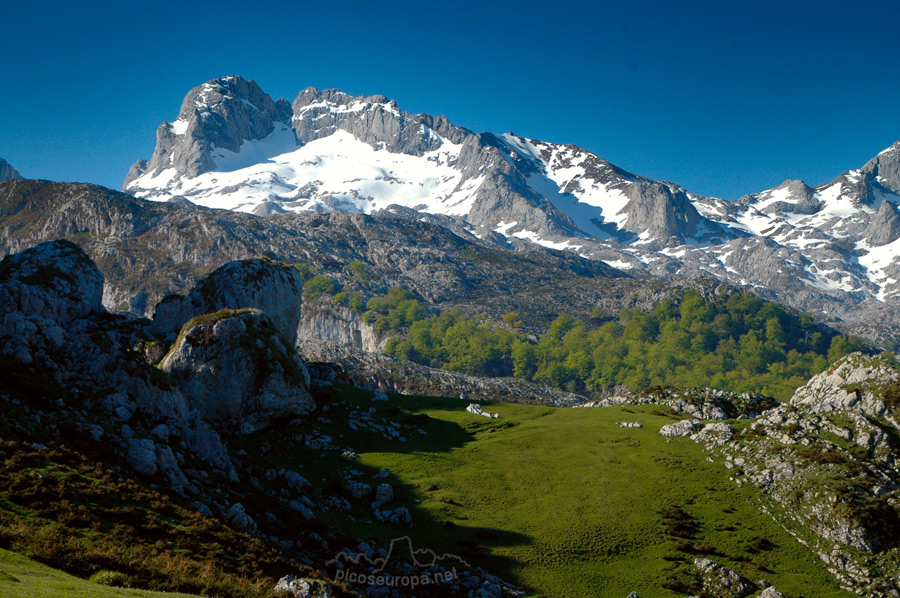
x=221, y=114
x=7, y=172
x=238, y=371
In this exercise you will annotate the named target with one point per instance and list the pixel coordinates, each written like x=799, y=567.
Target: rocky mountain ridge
x=828, y=249
x=149, y=250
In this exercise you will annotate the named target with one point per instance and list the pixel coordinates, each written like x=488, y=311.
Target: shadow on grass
x=330, y=471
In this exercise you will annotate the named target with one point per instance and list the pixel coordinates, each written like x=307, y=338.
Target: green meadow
x=21, y=577
x=564, y=502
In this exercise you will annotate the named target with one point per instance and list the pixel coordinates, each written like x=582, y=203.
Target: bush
x=111, y=578
x=318, y=285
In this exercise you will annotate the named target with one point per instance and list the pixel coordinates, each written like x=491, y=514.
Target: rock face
x=219, y=115
x=272, y=287
x=338, y=325
x=885, y=226
x=52, y=326
x=655, y=210
x=885, y=168
x=238, y=371
x=7, y=172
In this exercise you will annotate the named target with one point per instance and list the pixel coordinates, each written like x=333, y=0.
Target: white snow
x=534, y=238
x=337, y=171
x=620, y=264
x=179, y=127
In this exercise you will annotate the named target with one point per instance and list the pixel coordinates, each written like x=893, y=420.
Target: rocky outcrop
x=885, y=225
x=376, y=371
x=656, y=211
x=238, y=371
x=272, y=287
x=7, y=172
x=826, y=465
x=53, y=327
x=683, y=428
x=721, y=581
x=302, y=588
x=698, y=403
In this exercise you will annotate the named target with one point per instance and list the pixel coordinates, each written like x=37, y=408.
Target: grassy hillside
x=21, y=577
x=562, y=501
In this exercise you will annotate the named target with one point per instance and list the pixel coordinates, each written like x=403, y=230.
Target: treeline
x=736, y=342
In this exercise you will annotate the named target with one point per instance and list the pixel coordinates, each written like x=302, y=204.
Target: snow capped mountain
x=832, y=248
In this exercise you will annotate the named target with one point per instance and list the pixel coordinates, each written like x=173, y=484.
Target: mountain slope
x=830, y=249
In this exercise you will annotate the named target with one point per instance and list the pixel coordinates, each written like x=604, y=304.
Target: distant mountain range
x=831, y=249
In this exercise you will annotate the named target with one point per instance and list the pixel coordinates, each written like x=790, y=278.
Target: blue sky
x=725, y=98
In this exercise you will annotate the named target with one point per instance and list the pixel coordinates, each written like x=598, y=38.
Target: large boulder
x=263, y=284
x=238, y=371
x=55, y=280
x=721, y=581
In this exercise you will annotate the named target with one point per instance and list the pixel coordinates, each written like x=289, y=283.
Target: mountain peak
x=885, y=168
x=7, y=172
x=216, y=118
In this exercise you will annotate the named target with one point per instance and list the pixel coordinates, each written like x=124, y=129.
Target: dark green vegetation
x=61, y=508
x=735, y=342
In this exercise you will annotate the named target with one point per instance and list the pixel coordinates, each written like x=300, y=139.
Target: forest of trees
x=739, y=343
x=736, y=342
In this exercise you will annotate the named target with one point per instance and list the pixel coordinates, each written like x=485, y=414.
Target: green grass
x=21, y=577
x=566, y=502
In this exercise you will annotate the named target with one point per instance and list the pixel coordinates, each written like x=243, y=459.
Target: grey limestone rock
x=885, y=167
x=384, y=493
x=714, y=435
x=683, y=428
x=302, y=588
x=238, y=371
x=721, y=581
x=885, y=226
x=55, y=280
x=141, y=454
x=7, y=172
x=220, y=114
x=237, y=516
x=273, y=287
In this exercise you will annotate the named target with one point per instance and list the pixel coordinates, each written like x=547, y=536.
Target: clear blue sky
x=723, y=97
